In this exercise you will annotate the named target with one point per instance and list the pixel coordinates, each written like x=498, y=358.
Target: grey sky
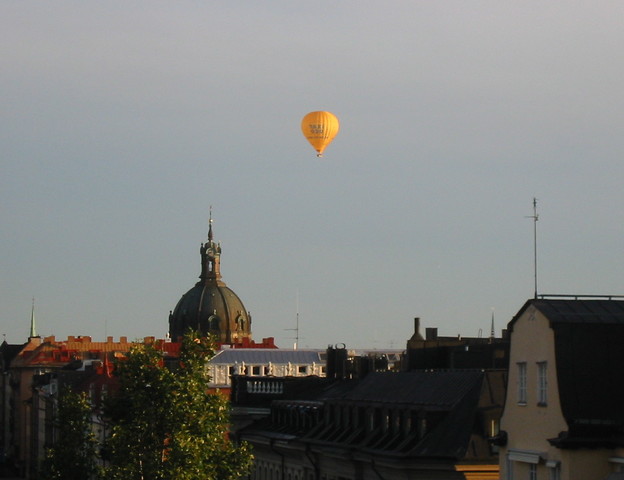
x=122, y=122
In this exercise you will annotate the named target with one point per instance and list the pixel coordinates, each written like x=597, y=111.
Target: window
x=346, y=413
x=532, y=472
x=542, y=384
x=92, y=393
x=385, y=420
x=494, y=427
x=510, y=469
x=396, y=421
x=371, y=419
x=554, y=473
x=407, y=422
x=522, y=383
x=255, y=370
x=422, y=427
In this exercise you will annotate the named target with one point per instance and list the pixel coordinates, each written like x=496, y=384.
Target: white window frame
x=522, y=383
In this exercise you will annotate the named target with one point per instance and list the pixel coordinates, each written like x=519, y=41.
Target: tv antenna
x=296, y=329
x=535, y=218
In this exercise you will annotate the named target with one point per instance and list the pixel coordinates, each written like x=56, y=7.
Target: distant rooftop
x=265, y=356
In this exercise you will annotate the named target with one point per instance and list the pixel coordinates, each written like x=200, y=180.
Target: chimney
x=431, y=333
x=416, y=325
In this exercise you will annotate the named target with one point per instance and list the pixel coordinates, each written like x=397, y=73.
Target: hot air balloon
x=320, y=128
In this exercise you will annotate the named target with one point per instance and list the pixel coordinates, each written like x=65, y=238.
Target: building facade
x=257, y=363
x=36, y=375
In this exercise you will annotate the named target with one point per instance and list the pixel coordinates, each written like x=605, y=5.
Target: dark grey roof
x=447, y=400
x=582, y=310
x=451, y=397
x=264, y=356
x=587, y=311
x=9, y=352
x=417, y=388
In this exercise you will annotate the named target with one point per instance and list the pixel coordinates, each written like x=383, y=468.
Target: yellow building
x=564, y=411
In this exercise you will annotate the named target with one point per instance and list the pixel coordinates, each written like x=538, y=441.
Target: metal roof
x=441, y=389
x=264, y=356
x=580, y=310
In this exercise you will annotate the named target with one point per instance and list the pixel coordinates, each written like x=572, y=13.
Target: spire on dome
x=210, y=226
x=211, y=253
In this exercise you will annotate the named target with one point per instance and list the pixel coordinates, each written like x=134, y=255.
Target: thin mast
x=296, y=329
x=535, y=218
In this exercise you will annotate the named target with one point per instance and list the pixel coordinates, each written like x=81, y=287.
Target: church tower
x=210, y=306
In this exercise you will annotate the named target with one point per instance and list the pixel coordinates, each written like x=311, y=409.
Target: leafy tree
x=165, y=424
x=74, y=455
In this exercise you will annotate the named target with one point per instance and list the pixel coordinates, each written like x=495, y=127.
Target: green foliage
x=165, y=423
x=74, y=455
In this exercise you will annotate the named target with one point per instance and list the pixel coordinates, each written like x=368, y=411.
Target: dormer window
x=407, y=422
x=385, y=420
x=370, y=420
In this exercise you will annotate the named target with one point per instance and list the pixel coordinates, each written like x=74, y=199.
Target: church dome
x=211, y=307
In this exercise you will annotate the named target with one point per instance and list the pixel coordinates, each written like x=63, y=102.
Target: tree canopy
x=166, y=425
x=74, y=456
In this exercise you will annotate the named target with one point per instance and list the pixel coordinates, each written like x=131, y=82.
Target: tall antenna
x=297, y=323
x=535, y=218
x=296, y=329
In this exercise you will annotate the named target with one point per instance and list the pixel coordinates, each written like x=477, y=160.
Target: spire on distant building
x=33, y=330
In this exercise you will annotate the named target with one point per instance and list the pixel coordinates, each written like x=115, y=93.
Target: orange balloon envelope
x=320, y=128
